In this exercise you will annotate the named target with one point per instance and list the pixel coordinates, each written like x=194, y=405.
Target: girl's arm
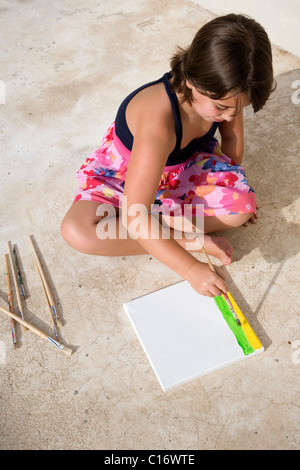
x=232, y=143
x=153, y=141
x=232, y=138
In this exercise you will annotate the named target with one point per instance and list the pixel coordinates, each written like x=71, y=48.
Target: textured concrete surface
x=65, y=67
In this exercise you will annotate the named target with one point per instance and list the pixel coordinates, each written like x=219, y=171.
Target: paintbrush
x=225, y=296
x=45, y=284
x=18, y=272
x=14, y=273
x=48, y=303
x=38, y=332
x=12, y=321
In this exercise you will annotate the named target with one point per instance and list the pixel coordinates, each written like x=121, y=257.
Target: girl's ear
x=188, y=84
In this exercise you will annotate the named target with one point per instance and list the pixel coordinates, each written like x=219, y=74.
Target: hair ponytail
x=178, y=70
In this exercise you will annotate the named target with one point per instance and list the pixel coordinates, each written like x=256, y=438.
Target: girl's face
x=224, y=109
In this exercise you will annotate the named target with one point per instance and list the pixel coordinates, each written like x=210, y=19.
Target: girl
x=161, y=149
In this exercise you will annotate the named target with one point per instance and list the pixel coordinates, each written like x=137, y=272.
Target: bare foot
x=219, y=247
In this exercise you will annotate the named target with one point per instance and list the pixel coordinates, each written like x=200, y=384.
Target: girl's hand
x=205, y=281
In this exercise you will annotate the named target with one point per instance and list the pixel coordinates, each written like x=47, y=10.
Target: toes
x=220, y=248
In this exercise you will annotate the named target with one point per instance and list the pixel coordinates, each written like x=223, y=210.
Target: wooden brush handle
x=13, y=269
x=41, y=272
x=38, y=332
x=208, y=260
x=204, y=252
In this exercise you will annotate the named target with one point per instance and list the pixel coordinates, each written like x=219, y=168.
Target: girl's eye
x=220, y=107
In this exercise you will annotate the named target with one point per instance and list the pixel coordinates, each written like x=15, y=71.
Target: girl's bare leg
x=216, y=246
x=225, y=222
x=79, y=229
x=220, y=246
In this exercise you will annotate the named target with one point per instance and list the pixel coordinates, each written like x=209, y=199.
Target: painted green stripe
x=236, y=330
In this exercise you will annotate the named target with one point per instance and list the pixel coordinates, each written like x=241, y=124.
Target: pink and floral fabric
x=209, y=182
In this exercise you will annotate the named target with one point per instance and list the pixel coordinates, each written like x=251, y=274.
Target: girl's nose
x=227, y=116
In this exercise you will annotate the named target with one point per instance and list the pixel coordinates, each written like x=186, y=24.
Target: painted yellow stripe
x=251, y=336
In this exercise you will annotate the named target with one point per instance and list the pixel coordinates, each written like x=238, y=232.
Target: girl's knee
x=225, y=222
x=237, y=220
x=68, y=230
x=81, y=234
x=75, y=233
x=243, y=218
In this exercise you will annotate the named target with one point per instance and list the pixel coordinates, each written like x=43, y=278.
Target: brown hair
x=231, y=53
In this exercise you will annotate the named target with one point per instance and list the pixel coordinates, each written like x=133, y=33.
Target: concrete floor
x=65, y=66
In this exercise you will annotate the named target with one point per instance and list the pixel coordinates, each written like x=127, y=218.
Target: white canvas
x=183, y=334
